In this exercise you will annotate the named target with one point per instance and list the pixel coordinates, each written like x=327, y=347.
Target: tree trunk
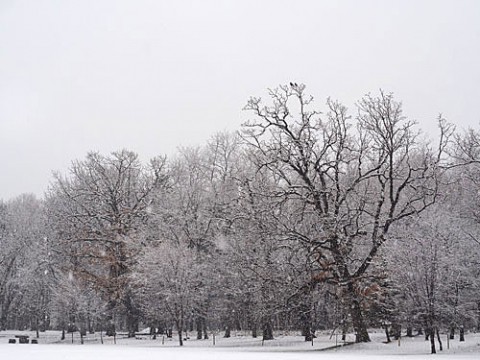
x=199, y=328
x=204, y=325
x=462, y=333
x=440, y=345
x=396, y=331
x=152, y=330
x=180, y=336
x=409, y=331
x=387, y=334
x=478, y=316
x=307, y=332
x=132, y=316
x=267, y=330
x=344, y=331
x=227, y=332
x=452, y=332
x=306, y=324
x=37, y=328
x=3, y=321
x=254, y=330
x=361, y=333
x=431, y=332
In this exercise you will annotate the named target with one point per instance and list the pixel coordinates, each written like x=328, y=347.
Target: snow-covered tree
x=171, y=278
x=25, y=267
x=350, y=183
x=100, y=212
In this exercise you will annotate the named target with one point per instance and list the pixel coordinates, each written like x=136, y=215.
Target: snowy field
x=284, y=347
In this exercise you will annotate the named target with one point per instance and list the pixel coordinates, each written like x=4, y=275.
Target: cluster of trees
x=303, y=220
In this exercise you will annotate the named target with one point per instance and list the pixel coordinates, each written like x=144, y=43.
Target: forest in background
x=304, y=220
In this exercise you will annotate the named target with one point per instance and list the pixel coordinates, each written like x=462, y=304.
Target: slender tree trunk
x=180, y=324
x=478, y=316
x=199, y=328
x=452, y=332
x=180, y=336
x=3, y=320
x=432, y=340
x=387, y=334
x=204, y=325
x=440, y=345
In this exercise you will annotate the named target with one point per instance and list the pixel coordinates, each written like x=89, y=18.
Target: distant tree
x=196, y=212
x=172, y=280
x=100, y=214
x=433, y=270
x=25, y=269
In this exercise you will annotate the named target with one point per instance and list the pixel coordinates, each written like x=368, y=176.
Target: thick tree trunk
x=267, y=330
x=307, y=332
x=132, y=316
x=227, y=332
x=409, y=331
x=306, y=324
x=361, y=333
x=132, y=325
x=396, y=331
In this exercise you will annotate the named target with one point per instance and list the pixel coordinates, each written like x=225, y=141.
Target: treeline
x=304, y=220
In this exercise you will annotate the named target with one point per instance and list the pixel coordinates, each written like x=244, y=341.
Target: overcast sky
x=150, y=76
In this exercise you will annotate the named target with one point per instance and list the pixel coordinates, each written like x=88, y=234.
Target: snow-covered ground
x=284, y=347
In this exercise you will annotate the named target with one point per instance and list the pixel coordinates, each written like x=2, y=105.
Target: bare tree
x=101, y=211
x=348, y=184
x=171, y=277
x=25, y=270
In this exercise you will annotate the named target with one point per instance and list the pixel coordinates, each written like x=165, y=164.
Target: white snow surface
x=240, y=346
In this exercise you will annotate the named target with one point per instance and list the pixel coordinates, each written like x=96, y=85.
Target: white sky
x=150, y=76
